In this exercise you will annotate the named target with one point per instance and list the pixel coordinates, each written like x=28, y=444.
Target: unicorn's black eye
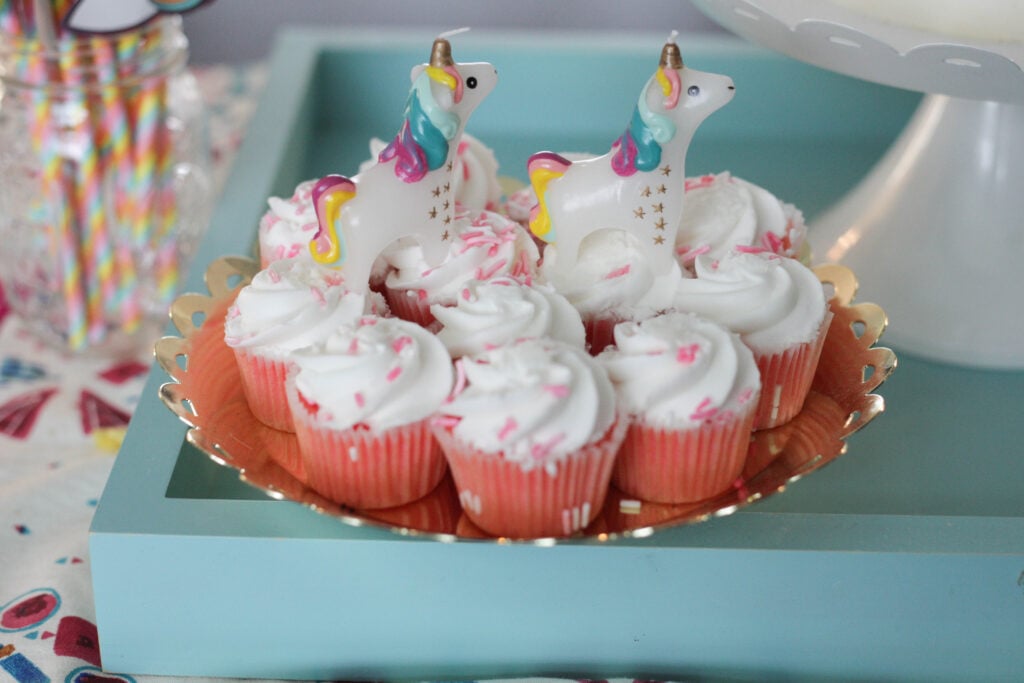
x=471, y=82
x=693, y=91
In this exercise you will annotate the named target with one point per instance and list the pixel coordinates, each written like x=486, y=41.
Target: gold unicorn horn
x=441, y=54
x=670, y=55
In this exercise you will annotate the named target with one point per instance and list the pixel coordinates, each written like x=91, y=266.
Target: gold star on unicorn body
x=662, y=189
x=449, y=166
x=646, y=192
x=436, y=191
x=447, y=220
x=446, y=205
x=433, y=212
x=445, y=235
x=659, y=239
x=447, y=187
x=666, y=170
x=658, y=208
x=660, y=224
x=639, y=212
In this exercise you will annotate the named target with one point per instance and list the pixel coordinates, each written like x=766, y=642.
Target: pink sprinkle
x=353, y=347
x=773, y=242
x=687, y=254
x=369, y=320
x=393, y=374
x=447, y=421
x=695, y=183
x=745, y=249
x=465, y=294
x=539, y=451
x=233, y=312
x=460, y=380
x=618, y=272
x=704, y=411
x=687, y=354
x=557, y=390
x=401, y=343
x=360, y=401
x=470, y=234
x=745, y=397
x=510, y=426
x=310, y=226
x=461, y=149
x=421, y=294
x=294, y=250
x=489, y=346
x=334, y=279
x=482, y=274
x=274, y=276
x=319, y=296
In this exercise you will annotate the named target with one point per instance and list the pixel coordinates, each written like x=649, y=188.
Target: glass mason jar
x=104, y=181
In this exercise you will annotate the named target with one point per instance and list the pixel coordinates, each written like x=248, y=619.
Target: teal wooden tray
x=902, y=560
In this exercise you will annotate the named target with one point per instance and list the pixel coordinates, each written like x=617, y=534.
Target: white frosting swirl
x=292, y=304
x=500, y=311
x=380, y=372
x=286, y=229
x=535, y=402
x=723, y=212
x=485, y=245
x=773, y=302
x=612, y=276
x=679, y=371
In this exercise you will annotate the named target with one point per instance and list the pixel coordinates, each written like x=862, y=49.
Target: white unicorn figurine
x=638, y=186
x=409, y=190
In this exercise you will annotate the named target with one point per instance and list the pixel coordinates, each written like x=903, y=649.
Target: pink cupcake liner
x=786, y=378
x=263, y=381
x=682, y=465
x=502, y=499
x=365, y=469
x=405, y=304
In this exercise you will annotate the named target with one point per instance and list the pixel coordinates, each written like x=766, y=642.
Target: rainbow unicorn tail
x=542, y=168
x=329, y=194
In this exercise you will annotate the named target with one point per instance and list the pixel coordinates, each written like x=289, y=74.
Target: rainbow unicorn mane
x=542, y=168
x=329, y=194
x=422, y=144
x=639, y=148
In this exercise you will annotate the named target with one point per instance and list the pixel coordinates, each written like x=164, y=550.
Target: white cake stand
x=935, y=232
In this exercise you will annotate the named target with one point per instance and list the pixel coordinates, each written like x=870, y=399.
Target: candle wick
x=454, y=32
x=672, y=36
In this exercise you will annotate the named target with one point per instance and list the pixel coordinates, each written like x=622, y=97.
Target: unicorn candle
x=409, y=191
x=638, y=186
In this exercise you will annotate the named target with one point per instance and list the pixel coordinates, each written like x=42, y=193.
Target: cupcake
x=690, y=388
x=484, y=245
x=723, y=213
x=287, y=227
x=360, y=402
x=612, y=282
x=531, y=438
x=288, y=305
x=498, y=312
x=778, y=307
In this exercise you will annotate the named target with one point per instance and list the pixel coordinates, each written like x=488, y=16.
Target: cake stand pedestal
x=935, y=231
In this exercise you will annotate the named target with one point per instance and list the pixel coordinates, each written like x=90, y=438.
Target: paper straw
x=95, y=244
x=116, y=144
x=58, y=176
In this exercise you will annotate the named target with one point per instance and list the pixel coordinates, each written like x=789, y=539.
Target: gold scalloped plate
x=206, y=394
